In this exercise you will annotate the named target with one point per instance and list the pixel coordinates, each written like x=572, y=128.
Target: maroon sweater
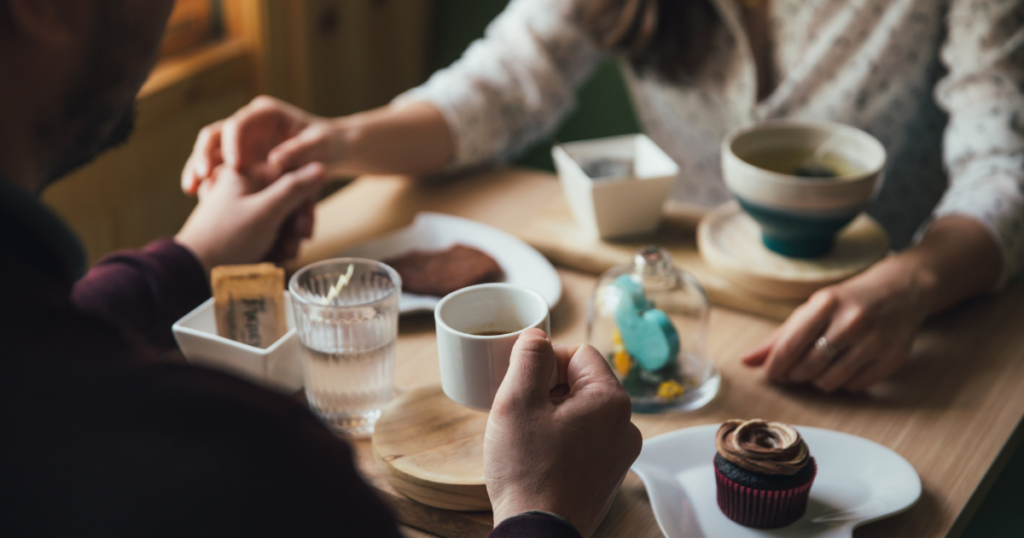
x=100, y=436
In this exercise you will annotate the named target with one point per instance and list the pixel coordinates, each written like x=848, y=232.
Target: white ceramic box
x=620, y=206
x=278, y=366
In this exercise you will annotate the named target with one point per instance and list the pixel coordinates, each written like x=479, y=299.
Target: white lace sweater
x=939, y=83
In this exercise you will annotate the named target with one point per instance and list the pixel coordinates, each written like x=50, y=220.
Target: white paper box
x=278, y=366
x=623, y=206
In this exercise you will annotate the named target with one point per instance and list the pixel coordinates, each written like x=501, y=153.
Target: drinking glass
x=348, y=338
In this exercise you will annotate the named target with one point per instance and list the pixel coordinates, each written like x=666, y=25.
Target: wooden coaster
x=730, y=242
x=431, y=449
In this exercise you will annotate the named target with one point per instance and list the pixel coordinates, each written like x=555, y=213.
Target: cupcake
x=764, y=473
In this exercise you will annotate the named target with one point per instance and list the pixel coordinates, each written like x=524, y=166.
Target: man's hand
x=262, y=140
x=240, y=221
x=564, y=451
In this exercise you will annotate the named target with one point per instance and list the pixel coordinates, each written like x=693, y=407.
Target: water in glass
x=349, y=341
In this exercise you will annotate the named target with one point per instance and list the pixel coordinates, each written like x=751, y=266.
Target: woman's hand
x=263, y=140
x=854, y=334
x=565, y=454
x=847, y=336
x=269, y=137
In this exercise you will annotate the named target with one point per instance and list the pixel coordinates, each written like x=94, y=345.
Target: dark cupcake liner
x=759, y=508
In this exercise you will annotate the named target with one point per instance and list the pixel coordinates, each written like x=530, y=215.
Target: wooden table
x=953, y=410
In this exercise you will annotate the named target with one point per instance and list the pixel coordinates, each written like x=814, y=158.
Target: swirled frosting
x=762, y=447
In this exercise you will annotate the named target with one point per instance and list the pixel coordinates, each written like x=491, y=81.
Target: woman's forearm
x=956, y=259
x=407, y=139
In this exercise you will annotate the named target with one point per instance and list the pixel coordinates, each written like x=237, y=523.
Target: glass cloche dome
x=650, y=321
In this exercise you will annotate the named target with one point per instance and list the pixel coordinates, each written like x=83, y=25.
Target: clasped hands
x=252, y=204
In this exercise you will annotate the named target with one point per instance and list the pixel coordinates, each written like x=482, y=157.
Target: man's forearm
x=145, y=290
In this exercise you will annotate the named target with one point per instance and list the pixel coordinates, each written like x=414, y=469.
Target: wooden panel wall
x=132, y=195
x=362, y=53
x=336, y=57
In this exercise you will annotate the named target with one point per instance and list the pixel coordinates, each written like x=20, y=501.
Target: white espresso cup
x=476, y=329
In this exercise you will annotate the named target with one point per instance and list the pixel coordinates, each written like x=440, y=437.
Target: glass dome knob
x=653, y=260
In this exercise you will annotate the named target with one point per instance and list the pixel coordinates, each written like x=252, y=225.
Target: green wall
x=604, y=106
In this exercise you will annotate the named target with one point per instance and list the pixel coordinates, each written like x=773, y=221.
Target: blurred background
x=331, y=57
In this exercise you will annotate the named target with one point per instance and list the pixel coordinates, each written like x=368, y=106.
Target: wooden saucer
x=730, y=242
x=431, y=450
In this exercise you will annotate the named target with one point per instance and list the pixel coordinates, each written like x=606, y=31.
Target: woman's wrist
x=914, y=278
x=409, y=139
x=960, y=257
x=956, y=259
x=348, y=141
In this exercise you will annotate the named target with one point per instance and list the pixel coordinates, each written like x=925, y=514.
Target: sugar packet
x=248, y=302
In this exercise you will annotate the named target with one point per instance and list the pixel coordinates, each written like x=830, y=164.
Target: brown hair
x=669, y=38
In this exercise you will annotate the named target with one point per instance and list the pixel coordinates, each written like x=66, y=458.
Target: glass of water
x=346, y=314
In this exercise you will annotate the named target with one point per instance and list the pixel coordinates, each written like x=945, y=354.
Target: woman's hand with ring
x=263, y=140
x=850, y=335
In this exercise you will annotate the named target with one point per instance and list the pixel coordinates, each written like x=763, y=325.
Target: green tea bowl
x=774, y=170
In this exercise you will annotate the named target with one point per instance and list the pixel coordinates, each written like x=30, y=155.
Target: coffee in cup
x=476, y=330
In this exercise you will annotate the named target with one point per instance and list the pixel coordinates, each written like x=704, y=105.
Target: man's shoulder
x=157, y=438
x=73, y=363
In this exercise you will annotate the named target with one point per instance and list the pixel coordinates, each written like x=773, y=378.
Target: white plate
x=521, y=263
x=858, y=481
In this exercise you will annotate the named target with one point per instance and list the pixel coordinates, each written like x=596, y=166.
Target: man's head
x=71, y=71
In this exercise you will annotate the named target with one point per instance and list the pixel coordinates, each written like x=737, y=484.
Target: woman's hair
x=669, y=38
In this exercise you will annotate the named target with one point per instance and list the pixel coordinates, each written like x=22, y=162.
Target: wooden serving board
x=557, y=235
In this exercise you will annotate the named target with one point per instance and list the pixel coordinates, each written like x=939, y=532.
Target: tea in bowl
x=802, y=181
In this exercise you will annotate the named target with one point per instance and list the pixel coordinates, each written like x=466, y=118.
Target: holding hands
x=263, y=140
x=241, y=221
x=269, y=137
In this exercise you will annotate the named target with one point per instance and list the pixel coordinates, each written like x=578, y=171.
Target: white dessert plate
x=858, y=481
x=521, y=263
